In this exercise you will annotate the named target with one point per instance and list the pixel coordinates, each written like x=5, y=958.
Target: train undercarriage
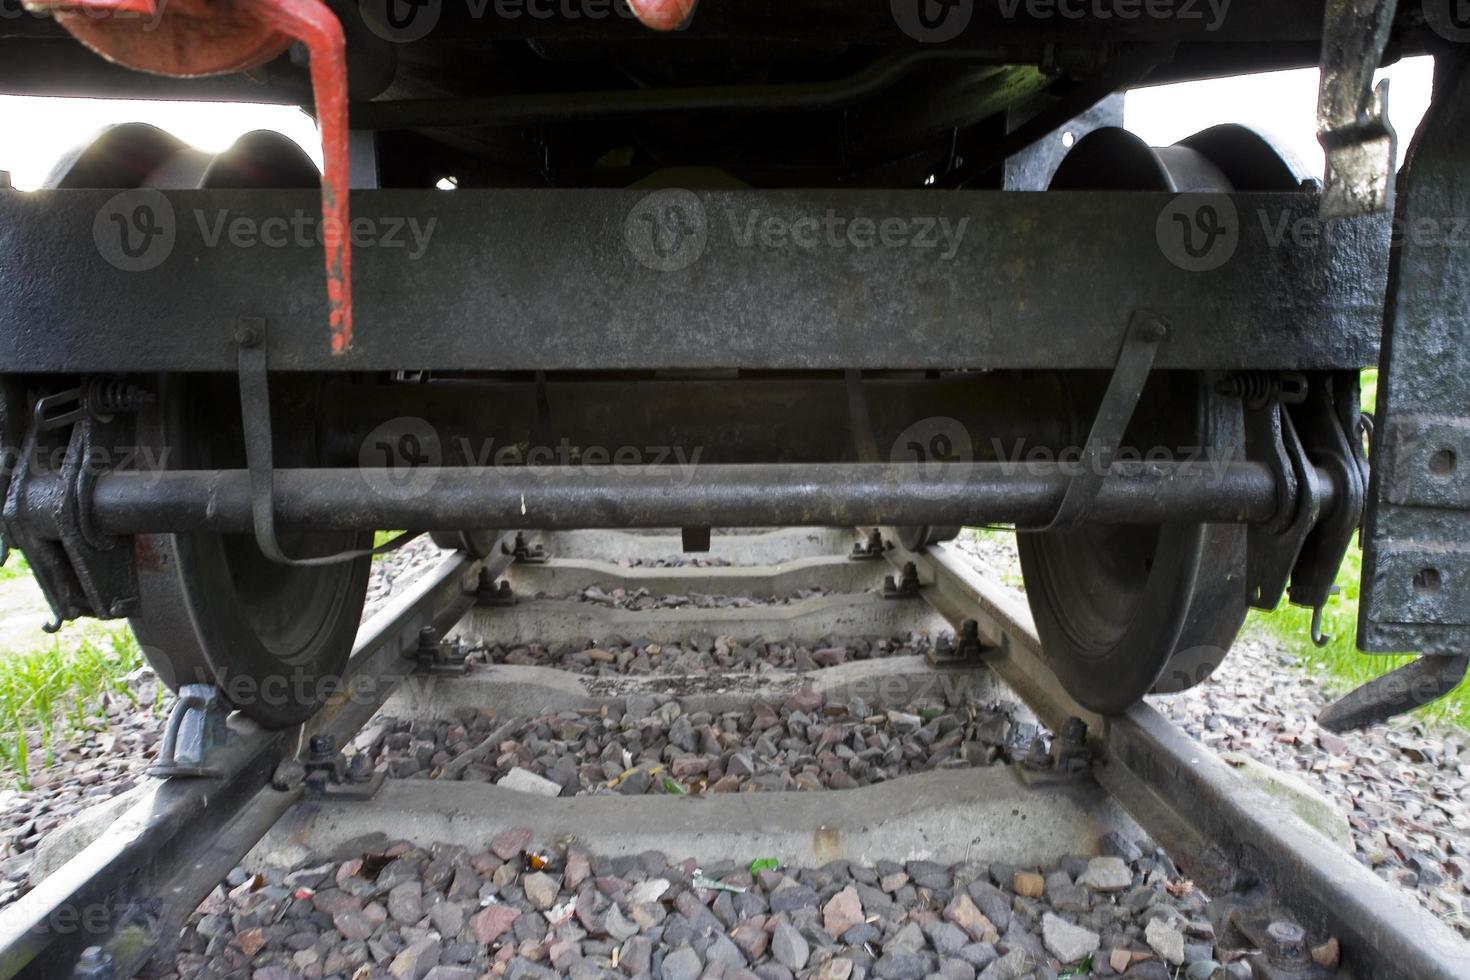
x=786, y=264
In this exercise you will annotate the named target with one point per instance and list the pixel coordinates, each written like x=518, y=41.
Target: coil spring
x=1259, y=388
x=111, y=397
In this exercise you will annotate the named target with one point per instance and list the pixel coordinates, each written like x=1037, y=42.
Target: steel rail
x=132, y=889
x=745, y=495
x=1245, y=848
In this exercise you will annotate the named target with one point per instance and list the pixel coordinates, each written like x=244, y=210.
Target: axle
x=1027, y=494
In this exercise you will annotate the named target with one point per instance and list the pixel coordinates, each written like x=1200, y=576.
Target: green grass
x=381, y=538
x=1340, y=665
x=50, y=695
x=16, y=567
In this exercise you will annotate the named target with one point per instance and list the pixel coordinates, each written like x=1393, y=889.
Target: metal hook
x=1318, y=637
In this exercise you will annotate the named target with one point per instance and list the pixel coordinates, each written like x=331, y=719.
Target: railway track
x=959, y=767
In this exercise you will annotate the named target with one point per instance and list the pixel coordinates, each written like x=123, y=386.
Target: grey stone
x=1067, y=942
x=1165, y=940
x=682, y=964
x=789, y=946
x=1106, y=874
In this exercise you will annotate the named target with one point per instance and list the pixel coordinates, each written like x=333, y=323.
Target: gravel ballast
x=652, y=745
x=701, y=653
x=377, y=908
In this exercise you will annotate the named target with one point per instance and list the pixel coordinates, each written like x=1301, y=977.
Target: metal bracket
x=963, y=648
x=1352, y=116
x=1325, y=421
x=1416, y=537
x=196, y=725
x=255, y=418
x=81, y=571
x=907, y=585
x=695, y=540
x=437, y=656
x=524, y=553
x=328, y=775
x=1146, y=334
x=1273, y=548
x=871, y=549
x=493, y=592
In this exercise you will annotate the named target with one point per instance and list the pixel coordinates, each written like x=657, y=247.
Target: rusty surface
x=663, y=15
x=314, y=25
x=183, y=38
x=208, y=37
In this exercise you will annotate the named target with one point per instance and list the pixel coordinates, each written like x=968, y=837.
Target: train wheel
x=212, y=608
x=476, y=544
x=1125, y=611
x=919, y=539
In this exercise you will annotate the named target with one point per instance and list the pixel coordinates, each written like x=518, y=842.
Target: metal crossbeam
x=618, y=280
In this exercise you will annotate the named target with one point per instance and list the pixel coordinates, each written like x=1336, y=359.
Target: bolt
x=1286, y=944
x=1074, y=731
x=95, y=964
x=1037, y=756
x=1154, y=330
x=428, y=638
x=5, y=183
x=288, y=775
x=322, y=746
x=249, y=332
x=969, y=631
x=359, y=768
